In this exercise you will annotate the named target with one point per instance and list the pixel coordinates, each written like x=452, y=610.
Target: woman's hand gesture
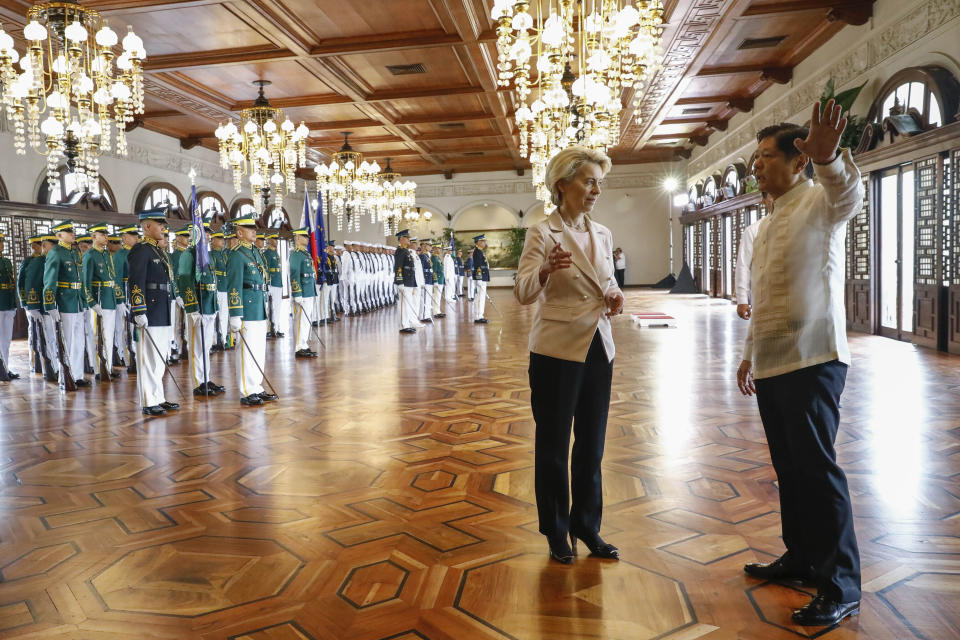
x=557, y=259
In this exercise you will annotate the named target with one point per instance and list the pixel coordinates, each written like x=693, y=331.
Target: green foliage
x=518, y=235
x=855, y=124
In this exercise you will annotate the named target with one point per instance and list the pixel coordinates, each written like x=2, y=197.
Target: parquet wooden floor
x=390, y=495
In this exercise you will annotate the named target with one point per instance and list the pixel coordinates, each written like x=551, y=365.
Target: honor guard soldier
x=199, y=291
x=115, y=244
x=178, y=338
x=82, y=245
x=99, y=283
x=458, y=264
x=218, y=260
x=64, y=300
x=449, y=275
x=84, y=242
x=481, y=276
x=272, y=257
x=129, y=236
x=33, y=283
x=405, y=277
x=247, y=278
x=426, y=302
x=439, y=280
x=303, y=289
x=332, y=285
x=151, y=281
x=36, y=253
x=468, y=275
x=8, y=306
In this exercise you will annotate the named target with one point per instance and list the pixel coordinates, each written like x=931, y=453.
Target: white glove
x=54, y=314
x=140, y=320
x=235, y=322
x=34, y=313
x=194, y=317
x=180, y=302
x=97, y=309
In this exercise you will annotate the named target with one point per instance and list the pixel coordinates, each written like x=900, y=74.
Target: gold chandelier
x=396, y=200
x=581, y=72
x=71, y=73
x=267, y=146
x=348, y=186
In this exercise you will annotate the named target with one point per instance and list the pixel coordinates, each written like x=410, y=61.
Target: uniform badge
x=234, y=298
x=48, y=297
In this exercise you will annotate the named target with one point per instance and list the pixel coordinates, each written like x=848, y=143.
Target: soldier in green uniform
x=99, y=283
x=272, y=256
x=8, y=306
x=31, y=274
x=303, y=288
x=247, y=278
x=35, y=252
x=199, y=291
x=64, y=299
x=438, y=280
x=129, y=236
x=218, y=260
x=181, y=239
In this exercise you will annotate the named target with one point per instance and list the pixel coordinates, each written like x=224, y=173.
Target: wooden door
x=859, y=291
x=928, y=302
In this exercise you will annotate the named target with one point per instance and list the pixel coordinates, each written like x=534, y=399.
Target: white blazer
x=572, y=306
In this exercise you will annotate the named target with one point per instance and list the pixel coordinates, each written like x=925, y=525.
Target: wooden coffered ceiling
x=329, y=62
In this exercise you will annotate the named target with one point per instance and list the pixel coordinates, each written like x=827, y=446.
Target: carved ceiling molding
x=698, y=23
x=162, y=92
x=861, y=58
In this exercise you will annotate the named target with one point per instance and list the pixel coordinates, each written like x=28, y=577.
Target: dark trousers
x=618, y=274
x=801, y=413
x=561, y=392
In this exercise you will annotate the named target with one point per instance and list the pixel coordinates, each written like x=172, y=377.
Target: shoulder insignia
x=136, y=296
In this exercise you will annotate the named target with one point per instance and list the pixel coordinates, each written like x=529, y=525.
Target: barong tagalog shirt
x=798, y=273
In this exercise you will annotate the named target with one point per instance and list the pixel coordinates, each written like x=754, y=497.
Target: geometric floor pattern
x=389, y=494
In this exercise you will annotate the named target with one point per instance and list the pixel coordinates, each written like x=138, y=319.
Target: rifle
x=69, y=382
x=35, y=345
x=101, y=361
x=42, y=340
x=273, y=329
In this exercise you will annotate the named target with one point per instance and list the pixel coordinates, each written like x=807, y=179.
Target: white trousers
x=460, y=280
x=120, y=331
x=202, y=335
x=480, y=302
x=223, y=315
x=109, y=320
x=437, y=298
x=450, y=289
x=471, y=288
x=408, y=310
x=150, y=364
x=175, y=312
x=74, y=341
x=277, y=308
x=50, y=338
x=329, y=297
x=303, y=315
x=6, y=334
x=426, y=301
x=249, y=376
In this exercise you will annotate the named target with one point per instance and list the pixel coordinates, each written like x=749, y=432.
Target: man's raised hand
x=825, y=131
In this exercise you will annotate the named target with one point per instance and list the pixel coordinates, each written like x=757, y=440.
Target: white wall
x=902, y=33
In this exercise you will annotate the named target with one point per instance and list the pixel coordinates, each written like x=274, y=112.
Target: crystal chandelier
x=396, y=200
x=349, y=186
x=267, y=146
x=581, y=73
x=71, y=74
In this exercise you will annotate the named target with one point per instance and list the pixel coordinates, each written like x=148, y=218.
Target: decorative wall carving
x=908, y=28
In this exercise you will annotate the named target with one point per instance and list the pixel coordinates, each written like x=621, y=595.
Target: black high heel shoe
x=561, y=551
x=598, y=548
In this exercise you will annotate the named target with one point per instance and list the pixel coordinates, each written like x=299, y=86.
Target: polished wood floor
x=389, y=494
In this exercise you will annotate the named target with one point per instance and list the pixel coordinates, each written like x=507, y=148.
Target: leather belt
x=103, y=283
x=69, y=285
x=255, y=287
x=6, y=286
x=160, y=287
x=208, y=287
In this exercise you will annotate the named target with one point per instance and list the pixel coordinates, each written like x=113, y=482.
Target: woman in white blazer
x=567, y=267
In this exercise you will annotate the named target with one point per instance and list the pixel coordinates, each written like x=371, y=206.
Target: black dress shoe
x=598, y=548
x=215, y=388
x=12, y=375
x=824, y=612
x=408, y=330
x=271, y=334
x=216, y=347
x=560, y=551
x=281, y=335
x=267, y=397
x=305, y=353
x=84, y=383
x=114, y=375
x=440, y=315
x=252, y=400
x=316, y=324
x=155, y=410
x=202, y=390
x=430, y=320
x=132, y=370
x=170, y=406
x=88, y=370
x=780, y=569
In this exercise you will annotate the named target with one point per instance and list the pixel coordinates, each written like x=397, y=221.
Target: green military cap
x=157, y=213
x=32, y=239
x=49, y=237
x=183, y=231
x=302, y=231
x=271, y=235
x=66, y=225
x=230, y=233
x=114, y=238
x=244, y=221
x=260, y=236
x=97, y=226
x=130, y=228
x=216, y=234
x=85, y=238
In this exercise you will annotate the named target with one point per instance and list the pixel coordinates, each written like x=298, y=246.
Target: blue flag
x=321, y=238
x=197, y=236
x=310, y=223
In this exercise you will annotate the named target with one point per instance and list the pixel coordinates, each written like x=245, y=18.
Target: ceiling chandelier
x=350, y=187
x=397, y=199
x=267, y=146
x=587, y=53
x=71, y=73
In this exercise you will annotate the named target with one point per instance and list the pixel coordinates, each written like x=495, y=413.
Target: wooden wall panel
x=927, y=260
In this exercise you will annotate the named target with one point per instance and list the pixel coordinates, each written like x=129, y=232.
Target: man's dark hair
x=785, y=133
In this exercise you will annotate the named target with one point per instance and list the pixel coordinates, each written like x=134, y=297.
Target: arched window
x=932, y=91
x=277, y=219
x=242, y=207
x=212, y=205
x=693, y=197
x=733, y=180
x=709, y=191
x=156, y=194
x=70, y=190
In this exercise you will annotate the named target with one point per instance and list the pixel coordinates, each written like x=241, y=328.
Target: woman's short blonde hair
x=565, y=165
